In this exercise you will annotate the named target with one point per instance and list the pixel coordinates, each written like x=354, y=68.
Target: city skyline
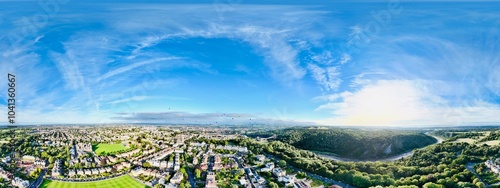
x=381, y=63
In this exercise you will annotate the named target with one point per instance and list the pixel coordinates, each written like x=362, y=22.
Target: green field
x=119, y=182
x=99, y=148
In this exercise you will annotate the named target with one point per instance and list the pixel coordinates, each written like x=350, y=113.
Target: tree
x=273, y=185
x=282, y=163
x=476, y=180
x=433, y=185
x=51, y=159
x=146, y=165
x=361, y=181
x=240, y=172
x=480, y=185
x=197, y=172
x=301, y=175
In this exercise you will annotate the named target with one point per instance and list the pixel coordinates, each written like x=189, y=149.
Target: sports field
x=124, y=181
x=99, y=148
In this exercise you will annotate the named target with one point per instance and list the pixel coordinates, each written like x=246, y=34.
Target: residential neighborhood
x=153, y=156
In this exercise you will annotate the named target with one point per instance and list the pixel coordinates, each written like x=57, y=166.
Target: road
x=470, y=167
x=191, y=178
x=39, y=180
x=244, y=169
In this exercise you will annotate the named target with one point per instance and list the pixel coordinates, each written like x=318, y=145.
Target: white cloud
x=345, y=58
x=279, y=55
x=328, y=78
x=270, y=37
x=130, y=99
x=133, y=66
x=402, y=102
x=70, y=70
x=325, y=58
x=493, y=80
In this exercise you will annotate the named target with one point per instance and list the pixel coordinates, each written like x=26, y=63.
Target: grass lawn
x=119, y=182
x=99, y=148
x=4, y=140
x=316, y=183
x=467, y=140
x=490, y=143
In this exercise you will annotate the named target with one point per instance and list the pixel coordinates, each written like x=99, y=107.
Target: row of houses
x=40, y=162
x=54, y=143
x=57, y=169
x=177, y=178
x=128, y=154
x=159, y=155
x=18, y=182
x=204, y=162
x=96, y=160
x=28, y=160
x=88, y=172
x=94, y=171
x=6, y=175
x=86, y=147
x=146, y=172
x=162, y=164
x=80, y=149
x=211, y=182
x=233, y=148
x=281, y=175
x=98, y=171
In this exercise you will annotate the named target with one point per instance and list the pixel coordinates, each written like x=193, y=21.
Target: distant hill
x=354, y=143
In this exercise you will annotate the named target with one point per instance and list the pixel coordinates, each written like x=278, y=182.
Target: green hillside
x=355, y=143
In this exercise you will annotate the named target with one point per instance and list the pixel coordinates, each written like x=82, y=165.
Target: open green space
x=108, y=148
x=466, y=140
x=119, y=182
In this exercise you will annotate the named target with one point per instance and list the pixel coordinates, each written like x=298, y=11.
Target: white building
x=278, y=172
x=268, y=168
x=6, y=159
x=177, y=178
x=18, y=182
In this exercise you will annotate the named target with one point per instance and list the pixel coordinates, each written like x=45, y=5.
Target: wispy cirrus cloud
x=134, y=98
x=142, y=98
x=327, y=77
x=70, y=70
x=271, y=38
x=134, y=66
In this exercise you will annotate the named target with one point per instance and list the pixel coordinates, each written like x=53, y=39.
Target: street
x=191, y=178
x=39, y=180
x=245, y=169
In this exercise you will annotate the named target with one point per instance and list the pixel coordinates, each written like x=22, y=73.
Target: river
x=393, y=158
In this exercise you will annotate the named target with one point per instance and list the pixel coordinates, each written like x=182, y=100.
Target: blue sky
x=385, y=63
